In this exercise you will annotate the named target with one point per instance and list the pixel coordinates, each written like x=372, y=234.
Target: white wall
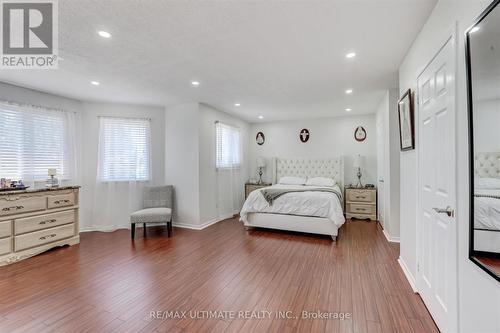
x=190, y=161
x=123, y=202
x=329, y=137
x=479, y=294
x=182, y=161
x=388, y=165
x=486, y=120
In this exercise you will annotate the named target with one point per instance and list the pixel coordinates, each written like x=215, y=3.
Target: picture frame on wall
x=406, y=122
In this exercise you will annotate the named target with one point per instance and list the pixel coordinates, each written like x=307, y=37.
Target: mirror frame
x=470, y=114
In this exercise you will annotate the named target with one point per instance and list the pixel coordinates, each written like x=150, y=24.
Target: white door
x=380, y=168
x=437, y=229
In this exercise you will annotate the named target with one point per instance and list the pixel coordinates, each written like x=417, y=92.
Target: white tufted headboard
x=487, y=165
x=309, y=167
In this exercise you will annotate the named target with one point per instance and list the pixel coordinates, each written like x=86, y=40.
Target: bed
x=315, y=209
x=487, y=202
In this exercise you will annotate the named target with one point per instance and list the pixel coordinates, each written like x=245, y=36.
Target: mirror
x=483, y=81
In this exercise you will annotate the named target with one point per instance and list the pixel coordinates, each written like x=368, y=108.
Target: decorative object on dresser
x=261, y=164
x=157, y=208
x=361, y=203
x=260, y=138
x=250, y=187
x=52, y=181
x=406, y=126
x=358, y=163
x=34, y=221
x=360, y=134
x=304, y=135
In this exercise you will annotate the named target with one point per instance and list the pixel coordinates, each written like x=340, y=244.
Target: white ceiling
x=282, y=60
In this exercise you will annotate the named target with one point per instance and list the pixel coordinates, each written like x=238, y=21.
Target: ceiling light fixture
x=348, y=109
x=350, y=55
x=237, y=104
x=348, y=91
x=473, y=30
x=104, y=34
x=261, y=117
x=195, y=83
x=95, y=83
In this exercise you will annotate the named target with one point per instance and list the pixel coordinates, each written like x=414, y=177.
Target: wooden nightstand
x=249, y=187
x=361, y=203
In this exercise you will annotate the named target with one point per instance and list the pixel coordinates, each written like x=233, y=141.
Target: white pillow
x=292, y=181
x=320, y=181
x=487, y=183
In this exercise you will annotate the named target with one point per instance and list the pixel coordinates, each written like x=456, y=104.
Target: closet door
x=381, y=166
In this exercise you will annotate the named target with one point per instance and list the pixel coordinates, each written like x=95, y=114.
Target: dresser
x=249, y=187
x=34, y=221
x=361, y=203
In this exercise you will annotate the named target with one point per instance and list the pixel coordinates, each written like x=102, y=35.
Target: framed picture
x=260, y=138
x=360, y=134
x=304, y=135
x=406, y=126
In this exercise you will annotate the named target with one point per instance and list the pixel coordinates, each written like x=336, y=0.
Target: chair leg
x=144, y=230
x=169, y=228
x=132, y=231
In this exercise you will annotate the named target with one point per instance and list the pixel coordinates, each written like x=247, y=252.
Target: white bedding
x=317, y=204
x=487, y=210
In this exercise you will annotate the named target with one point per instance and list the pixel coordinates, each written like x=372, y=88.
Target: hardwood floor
x=110, y=284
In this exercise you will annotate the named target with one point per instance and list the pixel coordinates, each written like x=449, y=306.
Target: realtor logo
x=29, y=34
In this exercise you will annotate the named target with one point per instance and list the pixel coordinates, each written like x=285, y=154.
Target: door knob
x=448, y=211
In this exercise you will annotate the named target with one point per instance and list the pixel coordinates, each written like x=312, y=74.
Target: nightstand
x=361, y=203
x=249, y=187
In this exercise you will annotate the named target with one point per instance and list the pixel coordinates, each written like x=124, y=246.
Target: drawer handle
x=6, y=209
x=48, y=221
x=49, y=236
x=360, y=197
x=361, y=209
x=57, y=202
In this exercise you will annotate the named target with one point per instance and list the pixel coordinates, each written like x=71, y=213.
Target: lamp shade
x=261, y=162
x=358, y=161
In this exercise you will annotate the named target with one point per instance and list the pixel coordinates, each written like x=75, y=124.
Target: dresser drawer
x=43, y=237
x=22, y=205
x=62, y=200
x=5, y=229
x=22, y=226
x=5, y=245
x=355, y=208
x=361, y=195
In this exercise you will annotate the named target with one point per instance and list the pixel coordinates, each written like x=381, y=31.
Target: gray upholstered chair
x=157, y=208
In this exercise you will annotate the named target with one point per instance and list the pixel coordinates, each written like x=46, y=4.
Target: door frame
x=450, y=36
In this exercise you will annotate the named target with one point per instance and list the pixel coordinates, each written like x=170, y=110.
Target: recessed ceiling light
x=104, y=34
x=195, y=83
x=261, y=117
x=237, y=104
x=348, y=91
x=474, y=29
x=95, y=83
x=348, y=110
x=350, y=55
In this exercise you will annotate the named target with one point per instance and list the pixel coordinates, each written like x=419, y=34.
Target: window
x=124, y=152
x=34, y=139
x=228, y=149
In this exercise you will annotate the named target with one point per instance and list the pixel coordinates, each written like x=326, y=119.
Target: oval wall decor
x=304, y=135
x=360, y=134
x=260, y=138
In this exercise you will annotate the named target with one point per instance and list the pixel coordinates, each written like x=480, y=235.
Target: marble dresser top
x=41, y=189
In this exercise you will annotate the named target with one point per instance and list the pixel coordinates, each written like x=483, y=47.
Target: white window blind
x=34, y=139
x=124, y=149
x=228, y=149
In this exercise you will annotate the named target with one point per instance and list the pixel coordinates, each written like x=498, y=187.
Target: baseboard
x=389, y=238
x=204, y=224
x=408, y=274
x=107, y=228
x=111, y=228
